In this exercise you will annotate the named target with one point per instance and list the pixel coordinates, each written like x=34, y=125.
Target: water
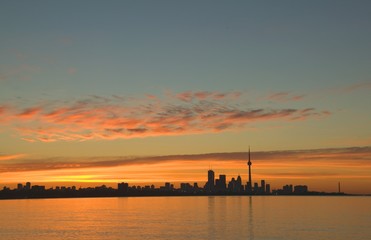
x=232, y=217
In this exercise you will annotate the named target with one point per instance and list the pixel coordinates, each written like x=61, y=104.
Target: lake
x=214, y=217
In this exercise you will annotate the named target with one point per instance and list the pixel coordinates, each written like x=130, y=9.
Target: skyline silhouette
x=213, y=186
x=276, y=166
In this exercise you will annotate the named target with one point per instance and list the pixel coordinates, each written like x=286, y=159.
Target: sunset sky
x=101, y=92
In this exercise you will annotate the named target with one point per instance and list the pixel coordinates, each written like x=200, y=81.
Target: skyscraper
x=239, y=184
x=262, y=187
x=249, y=186
x=28, y=186
x=210, y=180
x=221, y=184
x=268, y=189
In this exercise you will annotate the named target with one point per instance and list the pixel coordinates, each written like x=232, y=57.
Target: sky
x=145, y=92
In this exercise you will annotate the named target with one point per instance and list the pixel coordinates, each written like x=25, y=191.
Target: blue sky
x=139, y=47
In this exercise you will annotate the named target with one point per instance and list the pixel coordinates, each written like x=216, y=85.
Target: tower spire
x=249, y=184
x=249, y=153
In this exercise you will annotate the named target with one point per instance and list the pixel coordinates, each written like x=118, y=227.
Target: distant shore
x=76, y=194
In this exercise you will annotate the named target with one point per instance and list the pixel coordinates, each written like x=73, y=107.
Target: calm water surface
x=230, y=217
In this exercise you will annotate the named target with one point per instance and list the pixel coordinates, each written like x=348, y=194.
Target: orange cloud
x=3, y=113
x=114, y=117
x=11, y=157
x=357, y=157
x=29, y=113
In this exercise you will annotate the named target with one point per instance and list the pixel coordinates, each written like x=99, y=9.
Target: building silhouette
x=210, y=185
x=300, y=189
x=268, y=189
x=249, y=183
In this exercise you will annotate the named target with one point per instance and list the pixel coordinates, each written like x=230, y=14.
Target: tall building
x=232, y=185
x=223, y=182
x=268, y=189
x=28, y=186
x=249, y=183
x=123, y=187
x=210, y=185
x=262, y=187
x=239, y=184
x=256, y=188
x=211, y=178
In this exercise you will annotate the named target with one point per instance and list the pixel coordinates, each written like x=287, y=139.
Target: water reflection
x=250, y=220
x=211, y=217
x=187, y=218
x=230, y=218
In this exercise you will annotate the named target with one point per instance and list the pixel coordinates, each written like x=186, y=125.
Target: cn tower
x=249, y=186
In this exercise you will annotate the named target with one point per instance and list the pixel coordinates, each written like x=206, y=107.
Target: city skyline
x=319, y=185
x=159, y=91
x=212, y=187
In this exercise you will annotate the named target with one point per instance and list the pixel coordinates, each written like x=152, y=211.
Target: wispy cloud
x=11, y=157
x=356, y=86
x=114, y=117
x=189, y=96
x=345, y=89
x=29, y=113
x=355, y=157
x=284, y=97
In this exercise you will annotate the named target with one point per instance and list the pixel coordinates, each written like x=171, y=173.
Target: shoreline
x=180, y=195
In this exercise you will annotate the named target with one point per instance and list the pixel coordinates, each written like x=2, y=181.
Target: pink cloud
x=346, y=89
x=357, y=86
x=284, y=97
x=117, y=117
x=185, y=96
x=29, y=113
x=206, y=95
